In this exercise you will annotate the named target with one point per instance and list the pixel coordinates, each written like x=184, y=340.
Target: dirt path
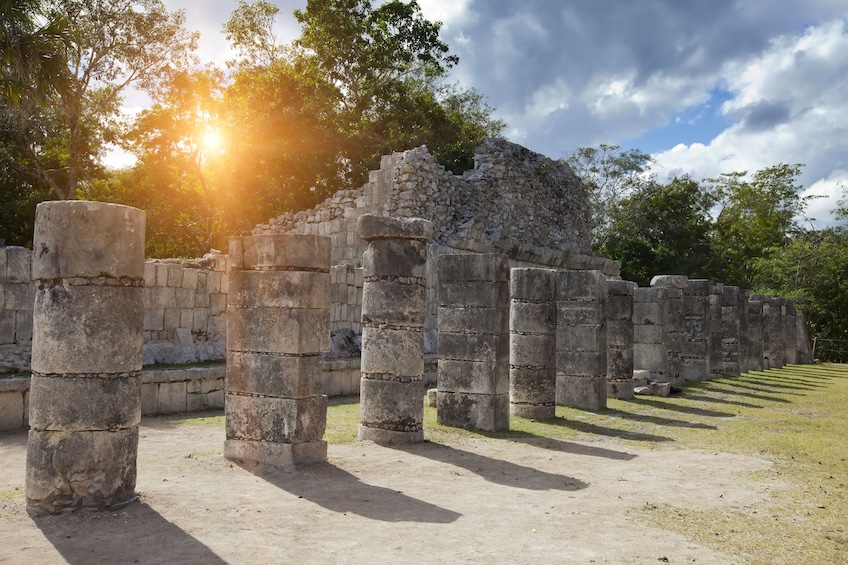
x=477, y=500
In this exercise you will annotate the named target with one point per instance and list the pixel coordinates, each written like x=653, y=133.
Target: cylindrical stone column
x=532, y=343
x=696, y=361
x=581, y=339
x=278, y=324
x=674, y=286
x=730, y=330
x=650, y=348
x=715, y=336
x=790, y=333
x=619, y=321
x=394, y=300
x=85, y=393
x=756, y=357
x=473, y=378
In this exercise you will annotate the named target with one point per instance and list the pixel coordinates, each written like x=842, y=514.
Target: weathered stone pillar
x=532, y=345
x=278, y=323
x=805, y=353
x=744, y=333
x=394, y=301
x=473, y=381
x=715, y=330
x=790, y=333
x=619, y=321
x=730, y=330
x=85, y=395
x=674, y=324
x=650, y=353
x=581, y=356
x=778, y=311
x=755, y=333
x=696, y=361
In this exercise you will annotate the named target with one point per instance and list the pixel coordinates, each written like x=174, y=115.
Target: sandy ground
x=478, y=500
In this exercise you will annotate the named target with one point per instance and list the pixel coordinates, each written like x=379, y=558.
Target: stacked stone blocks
x=393, y=306
x=278, y=326
x=674, y=286
x=473, y=318
x=581, y=340
x=650, y=345
x=619, y=320
x=87, y=355
x=696, y=304
x=730, y=330
x=17, y=293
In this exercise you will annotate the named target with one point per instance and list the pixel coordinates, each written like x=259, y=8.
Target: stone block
x=149, y=399
x=532, y=386
x=473, y=376
x=306, y=252
x=695, y=327
x=579, y=314
x=670, y=281
x=619, y=307
x=371, y=227
x=217, y=303
x=88, y=239
x=489, y=412
x=149, y=274
x=279, y=289
x=620, y=333
x=201, y=299
x=695, y=305
x=278, y=330
x=393, y=302
x=591, y=338
x=186, y=318
x=649, y=313
x=619, y=363
x=532, y=317
x=196, y=401
x=392, y=352
x=274, y=375
x=392, y=406
x=172, y=319
x=649, y=295
x=189, y=278
x=11, y=410
x=89, y=469
x=581, y=285
x=533, y=411
x=649, y=334
x=23, y=325
x=621, y=389
x=532, y=350
x=19, y=296
x=18, y=265
x=587, y=393
x=697, y=287
x=473, y=320
x=69, y=403
x=200, y=320
x=474, y=294
x=276, y=420
x=395, y=258
x=582, y=363
x=533, y=284
x=486, y=348
x=172, y=397
x=3, y=265
x=278, y=455
x=215, y=399
x=183, y=298
x=7, y=327
x=476, y=268
x=112, y=326
x=154, y=319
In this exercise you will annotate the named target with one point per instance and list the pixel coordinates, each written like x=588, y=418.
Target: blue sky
x=705, y=86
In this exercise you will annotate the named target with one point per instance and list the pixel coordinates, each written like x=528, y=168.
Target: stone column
x=715, y=330
x=674, y=286
x=744, y=333
x=532, y=343
x=581, y=348
x=278, y=323
x=805, y=353
x=696, y=361
x=619, y=322
x=755, y=333
x=790, y=333
x=394, y=301
x=85, y=395
x=650, y=351
x=777, y=325
x=473, y=319
x=730, y=330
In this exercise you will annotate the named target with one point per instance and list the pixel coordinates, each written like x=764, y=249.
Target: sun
x=212, y=140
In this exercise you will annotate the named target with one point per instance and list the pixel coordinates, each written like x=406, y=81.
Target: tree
x=756, y=217
x=662, y=229
x=111, y=45
x=609, y=174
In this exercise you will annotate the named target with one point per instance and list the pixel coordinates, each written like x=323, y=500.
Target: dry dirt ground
x=477, y=500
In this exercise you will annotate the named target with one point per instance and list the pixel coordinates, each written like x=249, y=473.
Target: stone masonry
x=755, y=356
x=85, y=398
x=278, y=323
x=650, y=346
x=473, y=377
x=393, y=305
x=696, y=304
x=674, y=286
x=730, y=330
x=532, y=345
x=619, y=314
x=715, y=350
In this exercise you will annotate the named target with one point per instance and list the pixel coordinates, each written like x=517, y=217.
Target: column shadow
x=659, y=420
x=594, y=429
x=700, y=398
x=763, y=397
x=134, y=534
x=494, y=470
x=677, y=408
x=339, y=491
x=763, y=388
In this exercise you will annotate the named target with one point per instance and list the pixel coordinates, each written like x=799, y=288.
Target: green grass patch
x=11, y=494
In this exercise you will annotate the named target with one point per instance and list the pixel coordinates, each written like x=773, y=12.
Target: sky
x=704, y=86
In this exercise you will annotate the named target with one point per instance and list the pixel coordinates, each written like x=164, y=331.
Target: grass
x=795, y=417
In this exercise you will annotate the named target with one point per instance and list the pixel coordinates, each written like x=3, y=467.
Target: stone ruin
x=519, y=316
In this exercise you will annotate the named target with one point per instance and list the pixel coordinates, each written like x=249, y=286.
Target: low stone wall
x=17, y=294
